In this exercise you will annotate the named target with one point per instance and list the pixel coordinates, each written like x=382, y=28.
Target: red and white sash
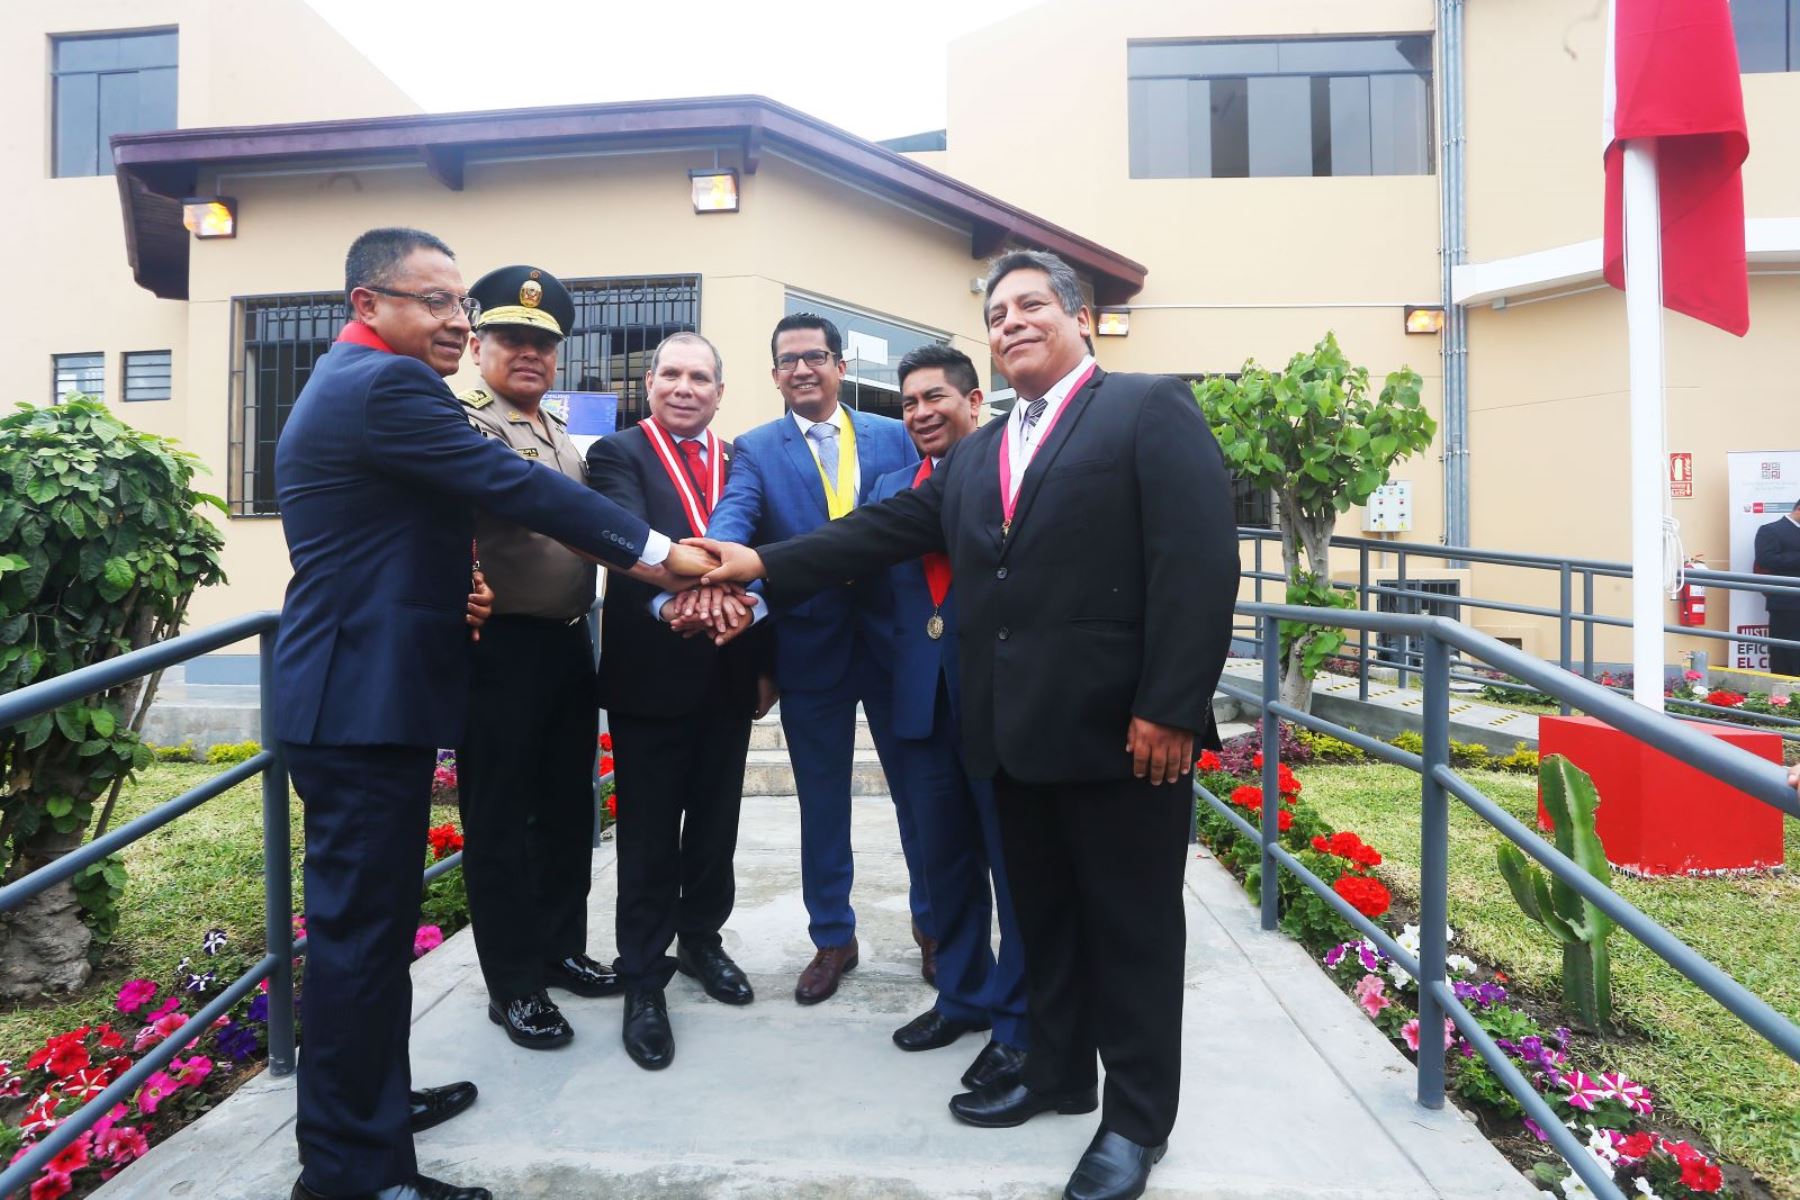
x=693, y=502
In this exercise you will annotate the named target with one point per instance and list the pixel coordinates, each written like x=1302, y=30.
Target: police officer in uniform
x=525, y=768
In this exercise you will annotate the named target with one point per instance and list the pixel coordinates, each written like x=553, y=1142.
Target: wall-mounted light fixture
x=210, y=216
x=715, y=189
x=1424, y=318
x=1113, y=322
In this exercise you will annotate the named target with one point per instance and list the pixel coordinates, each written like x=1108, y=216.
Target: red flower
x=50, y=1187
x=606, y=742
x=86, y=1084
x=67, y=1059
x=110, y=1038
x=1284, y=820
x=1367, y=896
x=1321, y=845
x=1248, y=796
x=1724, y=699
x=1701, y=1175
x=612, y=806
x=606, y=764
x=1256, y=760
x=1638, y=1145
x=73, y=1157
x=445, y=841
x=1209, y=762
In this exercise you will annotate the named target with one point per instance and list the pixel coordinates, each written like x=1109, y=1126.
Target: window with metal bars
x=147, y=374
x=618, y=322
x=83, y=373
x=276, y=340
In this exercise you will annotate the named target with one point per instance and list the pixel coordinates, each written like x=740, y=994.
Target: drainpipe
x=1453, y=249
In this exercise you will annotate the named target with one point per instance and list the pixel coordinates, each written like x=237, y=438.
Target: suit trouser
x=1096, y=873
x=820, y=727
x=525, y=783
x=958, y=831
x=366, y=809
x=680, y=782
x=1784, y=623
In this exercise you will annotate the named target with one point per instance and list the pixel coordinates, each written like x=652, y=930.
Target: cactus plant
x=1571, y=801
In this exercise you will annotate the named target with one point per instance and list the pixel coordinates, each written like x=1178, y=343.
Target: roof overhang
x=1576, y=267
x=156, y=170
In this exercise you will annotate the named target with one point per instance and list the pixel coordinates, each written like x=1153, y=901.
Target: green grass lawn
x=200, y=872
x=1704, y=1065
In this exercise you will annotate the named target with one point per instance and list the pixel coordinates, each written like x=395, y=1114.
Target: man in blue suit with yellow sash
x=954, y=818
x=379, y=476
x=811, y=465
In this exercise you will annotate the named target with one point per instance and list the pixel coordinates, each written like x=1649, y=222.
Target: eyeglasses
x=442, y=305
x=812, y=358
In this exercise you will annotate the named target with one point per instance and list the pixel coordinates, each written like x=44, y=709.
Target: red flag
x=1672, y=75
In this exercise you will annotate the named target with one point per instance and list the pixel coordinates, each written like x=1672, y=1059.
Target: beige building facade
x=1238, y=179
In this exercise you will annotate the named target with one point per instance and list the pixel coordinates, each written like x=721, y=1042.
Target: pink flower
x=168, y=1006
x=1692, y=676
x=193, y=1072
x=109, y=1120
x=1410, y=1032
x=156, y=1089
x=135, y=995
x=1778, y=701
x=72, y=1157
x=1584, y=1093
x=121, y=1144
x=1371, y=993
x=1634, y=1096
x=429, y=938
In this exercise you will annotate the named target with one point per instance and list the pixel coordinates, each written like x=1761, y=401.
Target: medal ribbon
x=692, y=503
x=937, y=566
x=1009, y=498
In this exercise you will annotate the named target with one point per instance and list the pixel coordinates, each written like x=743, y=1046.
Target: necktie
x=696, y=463
x=824, y=436
x=937, y=565
x=1034, y=412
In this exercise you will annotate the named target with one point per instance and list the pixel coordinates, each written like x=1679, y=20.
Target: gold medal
x=934, y=628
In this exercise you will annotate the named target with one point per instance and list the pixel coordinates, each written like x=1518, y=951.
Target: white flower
x=1461, y=964
x=1600, y=1145
x=1574, y=1189
x=1401, y=979
x=1409, y=940
x=1644, y=1188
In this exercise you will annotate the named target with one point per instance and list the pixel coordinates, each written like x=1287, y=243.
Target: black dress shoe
x=421, y=1187
x=997, y=1063
x=1114, y=1168
x=647, y=1035
x=723, y=979
x=932, y=1030
x=582, y=975
x=1003, y=1105
x=533, y=1022
x=434, y=1106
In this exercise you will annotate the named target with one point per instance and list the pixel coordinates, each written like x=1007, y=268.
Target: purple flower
x=1365, y=954
x=1537, y=1131
x=259, y=1008
x=1335, y=955
x=237, y=1042
x=198, y=983
x=213, y=942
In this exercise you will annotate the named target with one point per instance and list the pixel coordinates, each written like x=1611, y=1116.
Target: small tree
x=100, y=549
x=1319, y=438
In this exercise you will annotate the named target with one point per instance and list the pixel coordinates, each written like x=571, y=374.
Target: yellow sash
x=840, y=495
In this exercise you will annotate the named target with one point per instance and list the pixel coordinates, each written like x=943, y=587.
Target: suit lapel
x=1045, y=458
x=804, y=464
x=984, y=484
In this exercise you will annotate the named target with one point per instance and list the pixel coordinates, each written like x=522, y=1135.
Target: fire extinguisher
x=1691, y=600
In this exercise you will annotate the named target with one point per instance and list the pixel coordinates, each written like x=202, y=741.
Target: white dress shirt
x=1020, y=444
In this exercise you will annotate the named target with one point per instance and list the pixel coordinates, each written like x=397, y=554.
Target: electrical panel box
x=1389, y=509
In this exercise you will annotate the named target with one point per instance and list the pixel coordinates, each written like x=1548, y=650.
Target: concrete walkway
x=1289, y=1092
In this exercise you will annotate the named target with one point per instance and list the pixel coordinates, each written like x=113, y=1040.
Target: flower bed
x=43, y=1089
x=1616, y=1117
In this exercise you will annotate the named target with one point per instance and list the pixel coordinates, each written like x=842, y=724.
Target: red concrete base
x=1659, y=816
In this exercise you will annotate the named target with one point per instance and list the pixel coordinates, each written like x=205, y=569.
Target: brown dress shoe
x=820, y=979
x=927, y=954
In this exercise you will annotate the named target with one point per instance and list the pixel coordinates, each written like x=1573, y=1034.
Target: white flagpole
x=1644, y=334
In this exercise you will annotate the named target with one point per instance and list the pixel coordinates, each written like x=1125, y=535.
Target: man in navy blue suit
x=953, y=814
x=379, y=476
x=814, y=464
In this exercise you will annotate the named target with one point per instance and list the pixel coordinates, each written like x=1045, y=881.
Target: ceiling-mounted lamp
x=210, y=216
x=715, y=189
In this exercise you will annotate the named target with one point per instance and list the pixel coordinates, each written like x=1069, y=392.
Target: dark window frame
x=1789, y=43
x=1319, y=87
x=103, y=164
x=622, y=371
x=56, y=371
x=250, y=455
x=168, y=375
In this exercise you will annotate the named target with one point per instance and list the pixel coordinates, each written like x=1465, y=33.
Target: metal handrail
x=1757, y=777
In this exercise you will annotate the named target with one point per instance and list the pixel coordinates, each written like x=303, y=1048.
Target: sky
x=874, y=69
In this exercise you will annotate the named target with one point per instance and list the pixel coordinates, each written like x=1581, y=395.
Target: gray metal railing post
x=1406, y=641
x=1587, y=627
x=1271, y=771
x=1362, y=605
x=1259, y=569
x=1566, y=623
x=1434, y=873
x=278, y=884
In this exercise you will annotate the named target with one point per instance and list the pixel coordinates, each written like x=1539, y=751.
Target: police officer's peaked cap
x=522, y=295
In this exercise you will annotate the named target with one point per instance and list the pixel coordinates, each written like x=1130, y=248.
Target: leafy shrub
x=227, y=754
x=184, y=753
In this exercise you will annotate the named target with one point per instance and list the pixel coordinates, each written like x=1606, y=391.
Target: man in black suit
x=1090, y=536
x=1778, y=553
x=679, y=709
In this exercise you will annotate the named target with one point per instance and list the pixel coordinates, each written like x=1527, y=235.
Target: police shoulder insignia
x=476, y=398
x=528, y=452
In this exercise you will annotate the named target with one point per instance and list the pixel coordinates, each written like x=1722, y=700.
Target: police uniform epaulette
x=476, y=398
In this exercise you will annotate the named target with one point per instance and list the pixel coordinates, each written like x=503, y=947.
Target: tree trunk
x=1308, y=538
x=43, y=942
